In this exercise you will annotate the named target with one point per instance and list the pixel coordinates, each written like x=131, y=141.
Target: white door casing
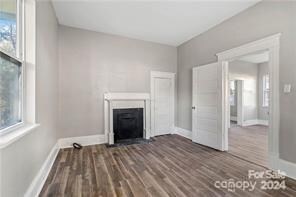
x=240, y=109
x=162, y=103
x=239, y=103
x=205, y=106
x=272, y=45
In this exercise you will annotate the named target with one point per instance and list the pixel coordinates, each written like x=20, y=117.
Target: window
x=232, y=93
x=8, y=26
x=10, y=91
x=265, y=81
x=10, y=64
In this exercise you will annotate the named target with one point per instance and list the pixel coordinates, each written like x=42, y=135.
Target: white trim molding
x=183, y=132
x=287, y=167
x=249, y=122
x=272, y=45
x=83, y=140
x=16, y=134
x=39, y=180
x=255, y=122
x=262, y=122
x=258, y=45
x=126, y=96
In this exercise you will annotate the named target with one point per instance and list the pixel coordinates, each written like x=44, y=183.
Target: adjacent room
x=147, y=98
x=249, y=107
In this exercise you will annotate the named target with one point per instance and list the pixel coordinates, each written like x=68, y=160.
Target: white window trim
x=11, y=128
x=18, y=56
x=264, y=104
x=16, y=133
x=28, y=59
x=233, y=81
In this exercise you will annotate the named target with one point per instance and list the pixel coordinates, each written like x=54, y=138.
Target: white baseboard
x=183, y=132
x=83, y=140
x=255, y=122
x=263, y=122
x=39, y=180
x=287, y=167
x=249, y=123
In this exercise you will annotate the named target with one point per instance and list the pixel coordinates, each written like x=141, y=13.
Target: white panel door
x=162, y=105
x=205, y=106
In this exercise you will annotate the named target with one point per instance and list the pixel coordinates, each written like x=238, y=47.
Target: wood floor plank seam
x=169, y=166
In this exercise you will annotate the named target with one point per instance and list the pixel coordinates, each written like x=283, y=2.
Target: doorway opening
x=248, y=79
x=271, y=45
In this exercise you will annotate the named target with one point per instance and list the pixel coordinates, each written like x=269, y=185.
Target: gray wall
x=94, y=63
x=264, y=19
x=248, y=73
x=23, y=159
x=262, y=111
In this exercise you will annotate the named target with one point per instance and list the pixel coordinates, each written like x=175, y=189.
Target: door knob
x=193, y=107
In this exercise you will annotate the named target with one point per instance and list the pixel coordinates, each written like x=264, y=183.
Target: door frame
x=272, y=45
x=163, y=75
x=239, y=103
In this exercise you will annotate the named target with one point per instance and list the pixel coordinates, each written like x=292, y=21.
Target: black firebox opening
x=127, y=124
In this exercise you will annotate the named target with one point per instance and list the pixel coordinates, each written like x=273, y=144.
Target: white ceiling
x=165, y=21
x=256, y=58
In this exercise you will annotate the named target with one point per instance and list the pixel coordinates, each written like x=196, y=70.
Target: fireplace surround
x=121, y=101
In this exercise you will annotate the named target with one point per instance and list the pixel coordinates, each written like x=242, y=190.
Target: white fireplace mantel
x=125, y=100
x=126, y=96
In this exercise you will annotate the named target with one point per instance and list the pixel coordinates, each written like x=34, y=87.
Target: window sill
x=12, y=136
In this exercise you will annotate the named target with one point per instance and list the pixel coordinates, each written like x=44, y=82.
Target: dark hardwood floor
x=169, y=166
x=250, y=143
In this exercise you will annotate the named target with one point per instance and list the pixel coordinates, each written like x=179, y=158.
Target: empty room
x=147, y=98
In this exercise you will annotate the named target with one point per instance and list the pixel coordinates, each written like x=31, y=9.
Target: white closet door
x=162, y=106
x=205, y=106
x=162, y=103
